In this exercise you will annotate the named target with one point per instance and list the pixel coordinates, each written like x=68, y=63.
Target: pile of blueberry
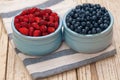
x=88, y=19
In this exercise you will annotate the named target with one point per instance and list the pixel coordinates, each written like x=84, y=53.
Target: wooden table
x=11, y=67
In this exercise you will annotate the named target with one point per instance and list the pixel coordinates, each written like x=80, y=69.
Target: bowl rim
x=89, y=35
x=41, y=37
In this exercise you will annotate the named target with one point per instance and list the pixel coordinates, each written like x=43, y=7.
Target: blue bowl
x=88, y=43
x=37, y=46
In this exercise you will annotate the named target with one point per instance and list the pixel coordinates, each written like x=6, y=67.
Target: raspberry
x=43, y=28
x=16, y=20
x=56, y=18
x=25, y=12
x=24, y=24
x=37, y=19
x=25, y=19
x=36, y=33
x=51, y=19
x=51, y=24
x=53, y=14
x=17, y=26
x=44, y=33
x=35, y=25
x=48, y=11
x=32, y=10
x=36, y=22
x=50, y=29
x=42, y=22
x=31, y=30
x=56, y=25
x=23, y=30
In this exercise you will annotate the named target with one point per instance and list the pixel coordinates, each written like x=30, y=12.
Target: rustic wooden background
x=11, y=67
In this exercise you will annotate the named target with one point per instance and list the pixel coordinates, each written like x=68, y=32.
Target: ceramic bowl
x=37, y=46
x=88, y=43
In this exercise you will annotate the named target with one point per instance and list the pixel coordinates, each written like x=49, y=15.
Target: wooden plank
x=15, y=67
x=3, y=50
x=83, y=73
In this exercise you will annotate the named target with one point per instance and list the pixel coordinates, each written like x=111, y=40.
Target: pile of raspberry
x=36, y=22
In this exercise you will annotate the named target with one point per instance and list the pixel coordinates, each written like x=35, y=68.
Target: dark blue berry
x=95, y=25
x=71, y=27
x=105, y=26
x=98, y=30
x=89, y=32
x=83, y=23
x=84, y=31
x=93, y=31
x=68, y=24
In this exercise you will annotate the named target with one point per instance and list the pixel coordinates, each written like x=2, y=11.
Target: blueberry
x=83, y=23
x=105, y=26
x=93, y=31
x=80, y=27
x=91, y=26
x=73, y=22
x=86, y=28
x=98, y=30
x=94, y=12
x=88, y=23
x=87, y=13
x=94, y=17
x=78, y=19
x=101, y=26
x=76, y=25
x=84, y=31
x=89, y=32
x=99, y=21
x=69, y=19
x=78, y=7
x=97, y=6
x=103, y=9
x=71, y=27
x=95, y=25
x=68, y=24
x=88, y=17
x=75, y=15
x=71, y=13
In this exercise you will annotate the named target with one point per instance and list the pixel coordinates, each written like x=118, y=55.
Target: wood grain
x=3, y=50
x=12, y=67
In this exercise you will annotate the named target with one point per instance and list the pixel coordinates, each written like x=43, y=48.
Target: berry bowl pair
x=87, y=42
x=40, y=45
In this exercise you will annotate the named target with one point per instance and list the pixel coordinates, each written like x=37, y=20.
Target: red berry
x=51, y=24
x=31, y=30
x=16, y=20
x=56, y=25
x=44, y=33
x=37, y=19
x=24, y=24
x=43, y=28
x=35, y=25
x=51, y=19
x=49, y=11
x=37, y=13
x=36, y=33
x=17, y=26
x=23, y=30
x=53, y=14
x=25, y=19
x=32, y=10
x=42, y=22
x=24, y=12
x=21, y=18
x=56, y=18
x=50, y=29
